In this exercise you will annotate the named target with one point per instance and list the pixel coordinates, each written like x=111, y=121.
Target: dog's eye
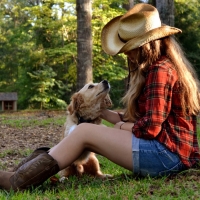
x=90, y=86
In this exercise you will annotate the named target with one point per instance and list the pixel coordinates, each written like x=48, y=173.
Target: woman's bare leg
x=114, y=144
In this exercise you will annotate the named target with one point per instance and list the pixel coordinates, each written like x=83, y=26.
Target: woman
x=156, y=135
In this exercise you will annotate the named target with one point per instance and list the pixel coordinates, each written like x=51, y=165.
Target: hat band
x=122, y=40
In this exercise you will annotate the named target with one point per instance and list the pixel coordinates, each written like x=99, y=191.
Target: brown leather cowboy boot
x=35, y=153
x=32, y=173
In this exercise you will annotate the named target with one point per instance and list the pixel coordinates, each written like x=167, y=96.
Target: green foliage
x=43, y=84
x=104, y=66
x=187, y=18
x=34, y=35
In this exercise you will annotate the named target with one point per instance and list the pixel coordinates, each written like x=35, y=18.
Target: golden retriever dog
x=85, y=107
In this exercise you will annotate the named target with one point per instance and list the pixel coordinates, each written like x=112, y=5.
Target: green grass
x=26, y=122
x=21, y=122
x=122, y=187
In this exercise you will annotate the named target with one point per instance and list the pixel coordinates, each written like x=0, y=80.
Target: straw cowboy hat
x=138, y=26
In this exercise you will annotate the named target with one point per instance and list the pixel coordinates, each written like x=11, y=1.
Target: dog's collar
x=82, y=120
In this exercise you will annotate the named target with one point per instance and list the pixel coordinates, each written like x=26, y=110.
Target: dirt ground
x=16, y=142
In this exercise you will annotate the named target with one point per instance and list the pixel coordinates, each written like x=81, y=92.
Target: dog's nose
x=105, y=82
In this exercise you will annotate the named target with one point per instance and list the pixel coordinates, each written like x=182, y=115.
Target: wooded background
x=50, y=48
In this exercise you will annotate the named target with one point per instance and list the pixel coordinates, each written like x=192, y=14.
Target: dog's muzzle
x=106, y=86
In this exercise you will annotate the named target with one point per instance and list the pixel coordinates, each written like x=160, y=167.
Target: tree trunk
x=131, y=3
x=128, y=5
x=166, y=10
x=84, y=42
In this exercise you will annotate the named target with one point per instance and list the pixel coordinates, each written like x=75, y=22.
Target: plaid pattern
x=162, y=117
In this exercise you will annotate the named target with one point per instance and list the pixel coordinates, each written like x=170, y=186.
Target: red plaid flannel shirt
x=162, y=117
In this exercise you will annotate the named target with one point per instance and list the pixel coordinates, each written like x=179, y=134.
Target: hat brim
x=112, y=44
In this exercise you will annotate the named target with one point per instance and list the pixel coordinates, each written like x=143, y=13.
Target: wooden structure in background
x=8, y=101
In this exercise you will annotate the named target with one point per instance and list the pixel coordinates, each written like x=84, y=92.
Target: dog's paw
x=108, y=176
x=62, y=179
x=104, y=176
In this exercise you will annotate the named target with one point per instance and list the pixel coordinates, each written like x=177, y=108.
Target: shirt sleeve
x=157, y=101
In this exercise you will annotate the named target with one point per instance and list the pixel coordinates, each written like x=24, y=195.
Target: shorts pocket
x=168, y=159
x=175, y=169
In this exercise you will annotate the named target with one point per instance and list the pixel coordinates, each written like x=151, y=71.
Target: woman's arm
x=110, y=116
x=114, y=118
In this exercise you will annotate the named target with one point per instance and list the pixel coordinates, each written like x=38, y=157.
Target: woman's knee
x=83, y=131
x=83, y=128
x=88, y=134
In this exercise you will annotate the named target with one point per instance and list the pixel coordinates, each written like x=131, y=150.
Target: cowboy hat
x=138, y=26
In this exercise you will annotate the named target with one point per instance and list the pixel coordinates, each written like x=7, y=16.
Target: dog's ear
x=106, y=103
x=76, y=101
x=70, y=108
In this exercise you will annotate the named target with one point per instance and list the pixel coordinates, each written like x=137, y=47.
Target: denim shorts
x=151, y=158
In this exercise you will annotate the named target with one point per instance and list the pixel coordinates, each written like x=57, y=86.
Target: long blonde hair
x=144, y=57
